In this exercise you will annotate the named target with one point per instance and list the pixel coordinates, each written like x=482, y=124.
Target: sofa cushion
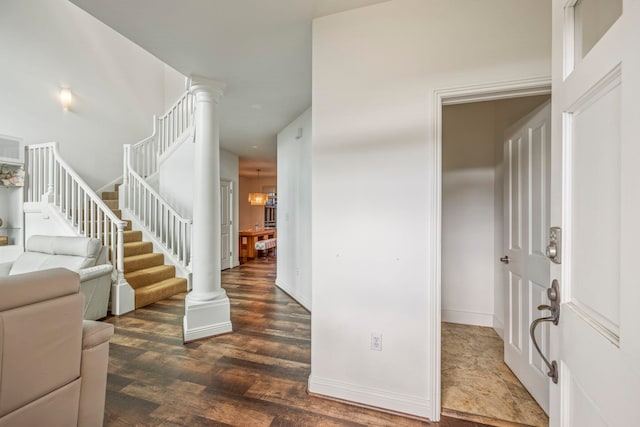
x=40, y=339
x=43, y=252
x=24, y=289
x=34, y=261
x=66, y=245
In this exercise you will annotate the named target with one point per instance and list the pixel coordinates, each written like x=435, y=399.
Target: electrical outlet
x=376, y=341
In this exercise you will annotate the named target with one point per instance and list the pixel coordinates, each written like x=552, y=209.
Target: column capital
x=199, y=84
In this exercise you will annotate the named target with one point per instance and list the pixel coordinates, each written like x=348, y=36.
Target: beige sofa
x=53, y=364
x=84, y=255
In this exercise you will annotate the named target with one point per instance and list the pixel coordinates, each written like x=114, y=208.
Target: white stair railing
x=170, y=230
x=167, y=130
x=177, y=120
x=51, y=180
x=141, y=160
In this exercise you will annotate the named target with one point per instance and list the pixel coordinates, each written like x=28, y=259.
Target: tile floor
x=476, y=381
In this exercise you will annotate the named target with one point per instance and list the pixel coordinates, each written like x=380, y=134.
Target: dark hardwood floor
x=255, y=376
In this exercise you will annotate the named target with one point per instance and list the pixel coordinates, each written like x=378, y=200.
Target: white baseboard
x=207, y=331
x=298, y=298
x=498, y=326
x=467, y=318
x=397, y=402
x=206, y=318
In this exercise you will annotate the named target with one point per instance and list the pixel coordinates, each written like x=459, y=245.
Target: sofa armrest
x=95, y=333
x=95, y=284
x=22, y=289
x=93, y=370
x=93, y=272
x=5, y=267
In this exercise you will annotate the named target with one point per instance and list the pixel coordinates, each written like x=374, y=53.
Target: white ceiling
x=260, y=48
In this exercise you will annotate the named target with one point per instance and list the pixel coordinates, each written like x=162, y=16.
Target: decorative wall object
x=11, y=175
x=11, y=150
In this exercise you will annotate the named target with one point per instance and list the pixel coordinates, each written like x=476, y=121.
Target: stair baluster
x=51, y=180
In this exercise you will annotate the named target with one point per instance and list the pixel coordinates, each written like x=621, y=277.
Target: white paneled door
x=226, y=227
x=527, y=173
x=596, y=199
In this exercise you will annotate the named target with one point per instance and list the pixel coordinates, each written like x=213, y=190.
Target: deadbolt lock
x=554, y=248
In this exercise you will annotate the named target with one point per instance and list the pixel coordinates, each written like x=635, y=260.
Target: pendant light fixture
x=258, y=199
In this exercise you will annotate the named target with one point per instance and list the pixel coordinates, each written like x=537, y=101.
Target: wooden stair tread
x=137, y=248
x=132, y=236
x=140, y=262
x=98, y=223
x=147, y=276
x=144, y=269
x=158, y=291
x=111, y=204
x=109, y=195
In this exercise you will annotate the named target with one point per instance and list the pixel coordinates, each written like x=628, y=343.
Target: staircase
x=151, y=279
x=140, y=276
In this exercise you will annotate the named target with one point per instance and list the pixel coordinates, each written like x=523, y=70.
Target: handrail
x=145, y=159
x=52, y=180
x=167, y=130
x=159, y=218
x=173, y=124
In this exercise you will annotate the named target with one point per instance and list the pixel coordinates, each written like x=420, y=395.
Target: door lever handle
x=553, y=366
x=554, y=296
x=505, y=259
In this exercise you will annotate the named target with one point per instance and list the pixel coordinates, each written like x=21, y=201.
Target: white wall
x=373, y=173
x=294, y=210
x=176, y=178
x=117, y=86
x=252, y=215
x=468, y=164
x=176, y=182
x=44, y=219
x=473, y=285
x=174, y=87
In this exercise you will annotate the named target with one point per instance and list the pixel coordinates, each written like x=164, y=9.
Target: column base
x=206, y=318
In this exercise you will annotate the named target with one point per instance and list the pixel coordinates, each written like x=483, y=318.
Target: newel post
x=122, y=294
x=48, y=196
x=124, y=188
x=120, y=250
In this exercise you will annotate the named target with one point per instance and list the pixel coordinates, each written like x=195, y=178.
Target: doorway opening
x=476, y=382
x=257, y=219
x=227, y=234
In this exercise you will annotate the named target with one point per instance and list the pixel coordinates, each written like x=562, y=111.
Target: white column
x=207, y=311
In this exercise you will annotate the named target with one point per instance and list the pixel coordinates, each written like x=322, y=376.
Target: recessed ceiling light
x=256, y=106
x=255, y=147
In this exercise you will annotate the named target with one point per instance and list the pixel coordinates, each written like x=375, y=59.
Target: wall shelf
x=12, y=215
